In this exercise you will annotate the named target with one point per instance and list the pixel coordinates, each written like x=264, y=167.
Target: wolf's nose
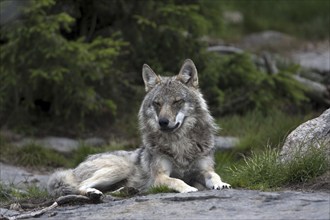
x=163, y=122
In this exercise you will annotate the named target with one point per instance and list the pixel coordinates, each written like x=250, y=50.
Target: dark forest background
x=73, y=67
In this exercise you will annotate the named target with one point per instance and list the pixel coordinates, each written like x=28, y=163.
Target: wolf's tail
x=62, y=183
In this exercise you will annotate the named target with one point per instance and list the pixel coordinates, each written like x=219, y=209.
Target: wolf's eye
x=178, y=101
x=156, y=104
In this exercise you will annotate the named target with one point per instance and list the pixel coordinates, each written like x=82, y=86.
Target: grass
x=264, y=171
x=10, y=194
x=257, y=129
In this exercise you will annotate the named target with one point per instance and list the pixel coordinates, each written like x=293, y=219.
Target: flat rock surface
x=21, y=177
x=225, y=204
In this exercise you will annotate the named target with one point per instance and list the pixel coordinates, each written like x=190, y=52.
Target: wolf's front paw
x=221, y=185
x=214, y=182
x=189, y=189
x=94, y=194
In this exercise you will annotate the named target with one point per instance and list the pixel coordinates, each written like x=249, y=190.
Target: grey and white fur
x=178, y=144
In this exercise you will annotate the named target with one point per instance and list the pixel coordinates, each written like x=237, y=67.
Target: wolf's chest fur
x=182, y=153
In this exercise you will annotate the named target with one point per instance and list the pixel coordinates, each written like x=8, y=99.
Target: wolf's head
x=172, y=104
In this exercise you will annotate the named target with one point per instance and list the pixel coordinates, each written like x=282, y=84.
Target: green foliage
x=265, y=171
x=76, y=64
x=71, y=62
x=39, y=64
x=164, y=33
x=303, y=18
x=234, y=84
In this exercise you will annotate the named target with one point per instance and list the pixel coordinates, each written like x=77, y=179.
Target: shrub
x=42, y=71
x=234, y=84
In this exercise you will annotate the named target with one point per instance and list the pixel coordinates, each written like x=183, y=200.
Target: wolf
x=177, y=144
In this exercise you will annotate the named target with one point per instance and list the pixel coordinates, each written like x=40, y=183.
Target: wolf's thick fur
x=178, y=138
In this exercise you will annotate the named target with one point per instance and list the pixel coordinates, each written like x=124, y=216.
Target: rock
x=20, y=178
x=314, y=56
x=224, y=49
x=7, y=212
x=313, y=133
x=61, y=144
x=225, y=143
x=95, y=142
x=313, y=60
x=210, y=204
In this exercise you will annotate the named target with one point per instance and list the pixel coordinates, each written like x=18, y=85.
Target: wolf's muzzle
x=164, y=124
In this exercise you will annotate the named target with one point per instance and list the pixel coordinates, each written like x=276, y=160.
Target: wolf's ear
x=149, y=77
x=188, y=74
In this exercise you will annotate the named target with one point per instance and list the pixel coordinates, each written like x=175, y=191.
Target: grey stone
x=94, y=141
x=313, y=60
x=314, y=56
x=224, y=143
x=20, y=177
x=7, y=212
x=224, y=204
x=313, y=133
x=60, y=144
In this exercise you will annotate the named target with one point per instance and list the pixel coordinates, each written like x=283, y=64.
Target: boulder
x=313, y=133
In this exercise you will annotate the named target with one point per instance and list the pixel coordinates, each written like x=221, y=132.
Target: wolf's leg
x=173, y=183
x=162, y=177
x=212, y=179
x=101, y=178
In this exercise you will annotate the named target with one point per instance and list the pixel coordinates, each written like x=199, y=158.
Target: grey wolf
x=178, y=144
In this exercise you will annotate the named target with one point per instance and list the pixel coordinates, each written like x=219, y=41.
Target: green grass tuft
x=307, y=166
x=264, y=171
x=9, y=193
